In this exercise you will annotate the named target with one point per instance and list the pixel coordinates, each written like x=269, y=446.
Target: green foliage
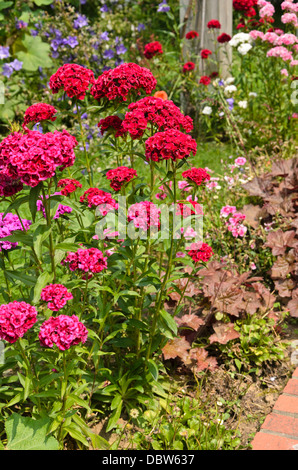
x=29, y=434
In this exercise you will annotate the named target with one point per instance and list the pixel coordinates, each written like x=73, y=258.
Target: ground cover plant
x=148, y=241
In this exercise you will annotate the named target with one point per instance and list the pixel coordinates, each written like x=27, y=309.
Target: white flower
x=207, y=110
x=230, y=89
x=240, y=38
x=229, y=80
x=244, y=48
x=243, y=104
x=253, y=94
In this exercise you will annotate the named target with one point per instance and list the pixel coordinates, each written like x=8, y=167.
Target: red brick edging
x=280, y=429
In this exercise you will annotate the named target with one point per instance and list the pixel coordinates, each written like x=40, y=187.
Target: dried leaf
x=189, y=321
x=177, y=347
x=278, y=241
x=253, y=214
x=224, y=332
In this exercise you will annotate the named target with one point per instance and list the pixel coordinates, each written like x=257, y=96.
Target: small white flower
x=240, y=38
x=229, y=80
x=207, y=110
x=253, y=94
x=243, y=104
x=230, y=89
x=244, y=48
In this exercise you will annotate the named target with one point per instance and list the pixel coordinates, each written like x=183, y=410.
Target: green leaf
x=28, y=434
x=169, y=321
x=42, y=280
x=33, y=197
x=36, y=54
x=4, y=5
x=114, y=417
x=153, y=369
x=43, y=2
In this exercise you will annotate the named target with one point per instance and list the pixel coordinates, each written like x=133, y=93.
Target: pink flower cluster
x=290, y=18
x=120, y=176
x=144, y=215
x=198, y=176
x=164, y=114
x=39, y=112
x=15, y=320
x=74, y=79
x=56, y=295
x=100, y=199
x=88, y=260
x=34, y=157
x=62, y=209
x=234, y=223
x=267, y=10
x=68, y=186
x=64, y=331
x=280, y=51
x=290, y=6
x=118, y=83
x=171, y=144
x=112, y=123
x=8, y=225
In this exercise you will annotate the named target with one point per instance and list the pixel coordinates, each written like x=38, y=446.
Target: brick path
x=280, y=429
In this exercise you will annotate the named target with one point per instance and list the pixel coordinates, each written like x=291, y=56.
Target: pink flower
x=255, y=34
x=64, y=331
x=240, y=161
x=280, y=51
x=284, y=72
x=227, y=210
x=8, y=225
x=290, y=18
x=56, y=295
x=144, y=215
x=15, y=320
x=86, y=260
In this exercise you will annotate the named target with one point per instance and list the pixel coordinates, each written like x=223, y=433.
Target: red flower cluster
x=171, y=144
x=213, y=24
x=120, y=176
x=192, y=35
x=245, y=5
x=73, y=79
x=144, y=215
x=200, y=252
x=205, y=80
x=189, y=208
x=15, y=319
x=112, y=123
x=188, y=66
x=162, y=113
x=68, y=186
x=196, y=175
x=56, y=295
x=9, y=186
x=205, y=53
x=64, y=331
x=100, y=199
x=152, y=49
x=86, y=260
x=34, y=157
x=224, y=37
x=119, y=82
x=39, y=112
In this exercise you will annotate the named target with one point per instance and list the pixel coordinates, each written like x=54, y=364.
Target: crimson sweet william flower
x=39, y=112
x=97, y=198
x=16, y=318
x=163, y=114
x=213, y=24
x=119, y=176
x=73, y=79
x=120, y=82
x=244, y=5
x=86, y=260
x=224, y=38
x=112, y=124
x=205, y=53
x=64, y=331
x=192, y=35
x=68, y=186
x=170, y=145
x=188, y=66
x=9, y=186
x=56, y=295
x=152, y=49
x=196, y=175
x=205, y=80
x=200, y=252
x=33, y=157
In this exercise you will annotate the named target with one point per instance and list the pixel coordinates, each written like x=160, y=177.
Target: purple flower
x=72, y=41
x=230, y=102
x=221, y=83
x=21, y=24
x=38, y=127
x=108, y=54
x=163, y=7
x=16, y=65
x=141, y=26
x=55, y=54
x=104, y=36
x=55, y=43
x=33, y=32
x=104, y=9
x=80, y=22
x=121, y=49
x=4, y=52
x=7, y=70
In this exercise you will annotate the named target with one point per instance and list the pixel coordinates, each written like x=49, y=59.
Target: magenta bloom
x=8, y=225
x=64, y=331
x=171, y=144
x=87, y=260
x=197, y=176
x=56, y=295
x=15, y=319
x=39, y=112
x=144, y=215
x=97, y=198
x=120, y=176
x=74, y=79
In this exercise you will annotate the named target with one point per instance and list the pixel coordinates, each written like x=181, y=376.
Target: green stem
x=46, y=204
x=84, y=145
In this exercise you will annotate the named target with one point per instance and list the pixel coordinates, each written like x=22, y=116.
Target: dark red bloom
x=200, y=252
x=120, y=176
x=164, y=114
x=244, y=5
x=152, y=49
x=205, y=80
x=188, y=66
x=171, y=144
x=224, y=38
x=213, y=24
x=205, y=53
x=112, y=123
x=69, y=186
x=73, y=79
x=39, y=112
x=118, y=83
x=97, y=198
x=196, y=175
x=191, y=35
x=213, y=74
